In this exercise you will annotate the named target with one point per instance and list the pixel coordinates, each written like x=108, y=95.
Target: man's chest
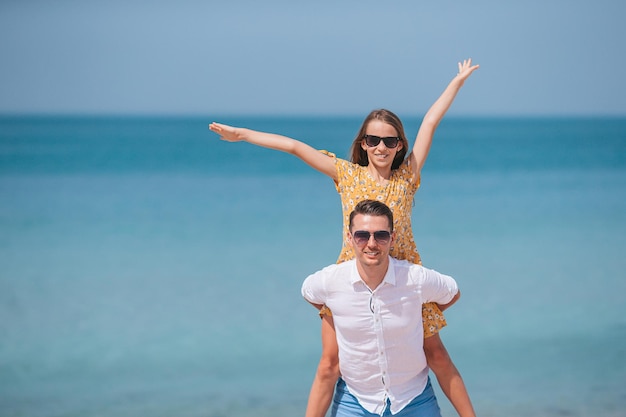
x=362, y=315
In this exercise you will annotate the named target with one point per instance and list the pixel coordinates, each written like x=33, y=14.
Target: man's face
x=371, y=250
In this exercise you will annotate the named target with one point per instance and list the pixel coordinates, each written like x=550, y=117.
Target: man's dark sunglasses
x=390, y=141
x=361, y=237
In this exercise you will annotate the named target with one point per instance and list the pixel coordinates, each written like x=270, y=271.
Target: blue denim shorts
x=346, y=404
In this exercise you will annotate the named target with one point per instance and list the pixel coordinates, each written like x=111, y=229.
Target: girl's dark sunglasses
x=390, y=141
x=361, y=237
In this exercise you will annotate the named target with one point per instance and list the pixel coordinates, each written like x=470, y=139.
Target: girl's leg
x=447, y=375
x=323, y=387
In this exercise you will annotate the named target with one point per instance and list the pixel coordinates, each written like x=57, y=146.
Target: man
x=377, y=302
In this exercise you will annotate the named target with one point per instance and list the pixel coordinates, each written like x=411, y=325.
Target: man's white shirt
x=380, y=332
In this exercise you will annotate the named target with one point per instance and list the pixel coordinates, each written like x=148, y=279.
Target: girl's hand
x=465, y=69
x=227, y=133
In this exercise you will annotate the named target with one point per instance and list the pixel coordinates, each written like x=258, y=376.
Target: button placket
x=378, y=329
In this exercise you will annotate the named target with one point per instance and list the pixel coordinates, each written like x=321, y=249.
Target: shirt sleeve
x=437, y=288
x=313, y=288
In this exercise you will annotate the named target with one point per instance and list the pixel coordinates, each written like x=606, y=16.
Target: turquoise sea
x=147, y=268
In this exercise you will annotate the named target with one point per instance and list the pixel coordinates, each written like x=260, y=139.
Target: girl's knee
x=329, y=358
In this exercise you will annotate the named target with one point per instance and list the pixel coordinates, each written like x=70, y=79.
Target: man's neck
x=373, y=275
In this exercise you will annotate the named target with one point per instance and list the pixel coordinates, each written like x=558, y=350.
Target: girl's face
x=381, y=155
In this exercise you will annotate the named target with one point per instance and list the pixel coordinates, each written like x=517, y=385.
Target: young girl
x=380, y=170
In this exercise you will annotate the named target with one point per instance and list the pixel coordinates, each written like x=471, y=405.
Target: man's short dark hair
x=372, y=208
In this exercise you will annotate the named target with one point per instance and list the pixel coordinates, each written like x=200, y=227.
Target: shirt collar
x=390, y=275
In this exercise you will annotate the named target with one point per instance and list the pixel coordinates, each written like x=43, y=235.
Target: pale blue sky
x=545, y=57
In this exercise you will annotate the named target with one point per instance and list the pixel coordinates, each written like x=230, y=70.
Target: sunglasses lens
x=372, y=140
x=391, y=142
x=361, y=237
x=382, y=236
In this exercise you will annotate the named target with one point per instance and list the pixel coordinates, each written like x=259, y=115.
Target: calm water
x=146, y=268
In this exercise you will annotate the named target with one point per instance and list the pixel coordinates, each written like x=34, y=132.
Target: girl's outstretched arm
x=308, y=154
x=434, y=115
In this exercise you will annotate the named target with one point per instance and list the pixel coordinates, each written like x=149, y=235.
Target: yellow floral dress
x=354, y=184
